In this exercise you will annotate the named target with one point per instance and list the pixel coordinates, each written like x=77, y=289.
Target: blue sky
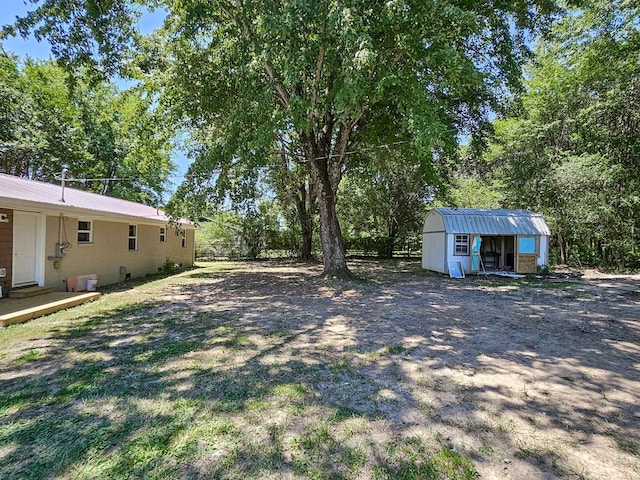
x=21, y=47
x=10, y=9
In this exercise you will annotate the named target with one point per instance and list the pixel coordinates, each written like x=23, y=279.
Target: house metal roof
x=19, y=191
x=493, y=222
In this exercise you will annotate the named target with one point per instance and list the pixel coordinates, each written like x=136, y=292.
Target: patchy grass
x=408, y=459
x=545, y=283
x=267, y=370
x=154, y=383
x=624, y=442
x=30, y=356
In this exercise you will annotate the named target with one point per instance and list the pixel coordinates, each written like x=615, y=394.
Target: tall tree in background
x=216, y=178
x=319, y=70
x=573, y=152
x=93, y=128
x=290, y=182
x=383, y=200
x=126, y=139
x=21, y=137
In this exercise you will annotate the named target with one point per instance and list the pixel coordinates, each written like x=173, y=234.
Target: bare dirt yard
x=317, y=378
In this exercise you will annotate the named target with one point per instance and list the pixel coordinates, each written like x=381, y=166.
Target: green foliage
x=29, y=113
x=472, y=192
x=543, y=270
x=218, y=237
x=126, y=139
x=169, y=266
x=92, y=34
x=383, y=201
x=571, y=150
x=50, y=118
x=320, y=78
x=244, y=235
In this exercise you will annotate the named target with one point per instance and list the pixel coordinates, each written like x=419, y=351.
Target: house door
x=25, y=241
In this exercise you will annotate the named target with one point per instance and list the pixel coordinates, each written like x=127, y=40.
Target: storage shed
x=498, y=240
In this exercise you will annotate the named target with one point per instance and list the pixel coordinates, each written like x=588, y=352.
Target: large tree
x=318, y=71
x=20, y=134
x=323, y=71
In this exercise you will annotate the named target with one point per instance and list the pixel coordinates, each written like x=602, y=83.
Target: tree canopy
x=331, y=76
x=50, y=118
x=252, y=76
x=572, y=149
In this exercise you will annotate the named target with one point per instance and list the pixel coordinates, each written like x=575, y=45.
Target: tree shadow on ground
x=267, y=374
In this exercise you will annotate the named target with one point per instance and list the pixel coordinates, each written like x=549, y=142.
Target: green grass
x=138, y=385
x=624, y=442
x=412, y=459
x=30, y=356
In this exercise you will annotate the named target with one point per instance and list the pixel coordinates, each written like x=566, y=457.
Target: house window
x=184, y=239
x=84, y=232
x=461, y=245
x=163, y=234
x=133, y=237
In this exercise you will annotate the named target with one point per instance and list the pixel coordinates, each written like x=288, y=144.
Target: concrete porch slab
x=16, y=310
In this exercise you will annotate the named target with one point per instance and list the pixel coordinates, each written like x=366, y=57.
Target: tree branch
x=316, y=82
x=283, y=95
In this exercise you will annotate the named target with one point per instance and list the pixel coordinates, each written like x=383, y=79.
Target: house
x=507, y=240
x=50, y=236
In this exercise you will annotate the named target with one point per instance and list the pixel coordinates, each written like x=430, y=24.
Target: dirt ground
x=532, y=379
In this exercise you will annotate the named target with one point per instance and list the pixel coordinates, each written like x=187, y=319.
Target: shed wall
x=465, y=260
x=543, y=254
x=434, y=251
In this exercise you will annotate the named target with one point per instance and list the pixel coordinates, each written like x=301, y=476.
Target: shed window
x=133, y=237
x=527, y=245
x=163, y=234
x=184, y=239
x=84, y=232
x=461, y=245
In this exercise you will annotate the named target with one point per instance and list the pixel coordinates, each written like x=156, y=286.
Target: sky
x=29, y=47
x=10, y=9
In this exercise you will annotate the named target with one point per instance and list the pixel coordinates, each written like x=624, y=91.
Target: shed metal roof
x=493, y=222
x=21, y=190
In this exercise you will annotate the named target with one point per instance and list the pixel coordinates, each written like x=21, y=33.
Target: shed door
x=476, y=242
x=526, y=254
x=25, y=228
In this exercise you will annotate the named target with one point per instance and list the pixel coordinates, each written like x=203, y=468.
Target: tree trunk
x=563, y=249
x=333, y=252
x=306, y=247
x=391, y=242
x=304, y=206
x=325, y=175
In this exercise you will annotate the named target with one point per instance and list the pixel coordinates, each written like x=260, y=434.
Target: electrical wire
x=58, y=176
x=325, y=157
